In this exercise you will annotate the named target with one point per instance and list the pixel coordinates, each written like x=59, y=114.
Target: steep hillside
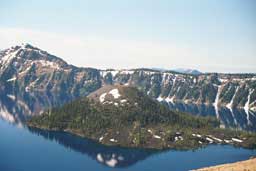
x=28, y=69
x=231, y=90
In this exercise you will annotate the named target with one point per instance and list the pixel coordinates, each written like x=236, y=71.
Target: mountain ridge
x=28, y=69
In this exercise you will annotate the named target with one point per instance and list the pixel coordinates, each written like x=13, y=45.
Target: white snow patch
x=247, y=107
x=231, y=102
x=115, y=93
x=177, y=138
x=25, y=71
x=237, y=140
x=216, y=101
x=198, y=135
x=160, y=98
x=113, y=73
x=209, y=139
x=123, y=101
x=168, y=99
x=247, y=104
x=228, y=141
x=101, y=138
x=150, y=131
x=194, y=80
x=11, y=96
x=12, y=79
x=157, y=136
x=102, y=97
x=112, y=140
x=103, y=73
x=127, y=72
x=216, y=139
x=222, y=80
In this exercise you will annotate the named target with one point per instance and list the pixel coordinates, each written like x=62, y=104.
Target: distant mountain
x=26, y=69
x=188, y=71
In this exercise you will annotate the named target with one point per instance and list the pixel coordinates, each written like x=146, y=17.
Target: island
x=125, y=116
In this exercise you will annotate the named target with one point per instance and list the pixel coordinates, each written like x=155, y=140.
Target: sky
x=208, y=35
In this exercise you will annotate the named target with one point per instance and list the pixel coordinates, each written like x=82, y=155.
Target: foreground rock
x=248, y=165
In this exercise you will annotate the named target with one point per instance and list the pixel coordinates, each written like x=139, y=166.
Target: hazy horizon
x=210, y=36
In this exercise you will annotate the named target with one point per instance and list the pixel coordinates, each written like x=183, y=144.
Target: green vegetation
x=141, y=122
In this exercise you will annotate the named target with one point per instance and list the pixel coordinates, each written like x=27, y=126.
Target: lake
x=26, y=149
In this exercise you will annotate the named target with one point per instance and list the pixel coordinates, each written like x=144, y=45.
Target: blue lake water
x=24, y=149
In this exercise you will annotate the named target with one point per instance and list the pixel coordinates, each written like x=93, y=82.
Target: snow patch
x=247, y=104
x=112, y=140
x=123, y=101
x=115, y=93
x=231, y=102
x=209, y=139
x=102, y=97
x=160, y=98
x=101, y=138
x=237, y=140
x=150, y=131
x=216, y=101
x=12, y=79
x=157, y=136
x=11, y=97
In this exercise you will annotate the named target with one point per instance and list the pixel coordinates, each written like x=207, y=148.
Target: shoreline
x=158, y=145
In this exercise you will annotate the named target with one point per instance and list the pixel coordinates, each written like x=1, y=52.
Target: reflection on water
x=107, y=155
x=229, y=118
x=17, y=109
x=83, y=154
x=33, y=149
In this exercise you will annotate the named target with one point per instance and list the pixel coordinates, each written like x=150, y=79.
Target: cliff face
x=231, y=90
x=27, y=69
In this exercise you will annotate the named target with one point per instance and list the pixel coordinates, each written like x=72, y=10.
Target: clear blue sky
x=210, y=35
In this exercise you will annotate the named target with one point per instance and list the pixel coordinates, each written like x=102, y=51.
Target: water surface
x=32, y=149
x=26, y=149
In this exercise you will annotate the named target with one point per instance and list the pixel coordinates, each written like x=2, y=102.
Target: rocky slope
x=28, y=69
x=231, y=90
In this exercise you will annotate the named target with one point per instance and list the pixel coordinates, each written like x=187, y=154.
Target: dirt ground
x=248, y=165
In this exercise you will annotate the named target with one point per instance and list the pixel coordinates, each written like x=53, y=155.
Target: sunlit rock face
x=32, y=80
x=26, y=68
x=231, y=90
